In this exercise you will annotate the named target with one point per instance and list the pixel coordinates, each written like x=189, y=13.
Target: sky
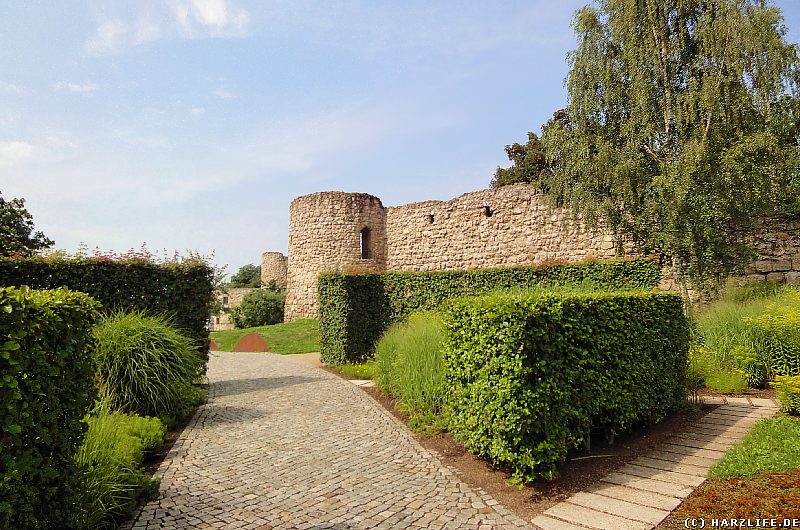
x=190, y=125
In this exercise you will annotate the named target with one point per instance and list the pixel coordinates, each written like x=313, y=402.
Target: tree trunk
x=682, y=283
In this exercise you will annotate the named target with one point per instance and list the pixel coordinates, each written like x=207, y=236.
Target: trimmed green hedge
x=181, y=292
x=355, y=309
x=531, y=376
x=46, y=388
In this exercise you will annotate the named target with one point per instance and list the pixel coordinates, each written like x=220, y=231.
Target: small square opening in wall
x=430, y=218
x=487, y=211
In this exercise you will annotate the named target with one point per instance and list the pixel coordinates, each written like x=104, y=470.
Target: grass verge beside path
x=300, y=336
x=773, y=445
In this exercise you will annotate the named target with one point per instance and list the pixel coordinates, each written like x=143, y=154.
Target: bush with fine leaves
x=259, y=308
x=146, y=366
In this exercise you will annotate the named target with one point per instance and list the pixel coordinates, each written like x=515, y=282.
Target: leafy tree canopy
x=247, y=276
x=17, y=235
x=681, y=127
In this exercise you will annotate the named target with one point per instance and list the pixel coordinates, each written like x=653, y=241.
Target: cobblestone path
x=283, y=445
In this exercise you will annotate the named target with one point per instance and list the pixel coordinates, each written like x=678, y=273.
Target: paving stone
x=657, y=463
x=282, y=445
x=671, y=489
x=638, y=496
x=626, y=509
x=548, y=523
x=593, y=518
x=664, y=476
x=693, y=459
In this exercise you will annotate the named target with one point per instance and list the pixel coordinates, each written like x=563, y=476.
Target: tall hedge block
x=531, y=376
x=181, y=292
x=355, y=309
x=46, y=387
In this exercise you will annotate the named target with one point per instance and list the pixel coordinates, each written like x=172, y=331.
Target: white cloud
x=15, y=152
x=11, y=88
x=224, y=93
x=188, y=19
x=197, y=111
x=107, y=38
x=81, y=88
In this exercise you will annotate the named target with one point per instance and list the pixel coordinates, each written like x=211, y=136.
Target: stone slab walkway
x=641, y=494
x=282, y=445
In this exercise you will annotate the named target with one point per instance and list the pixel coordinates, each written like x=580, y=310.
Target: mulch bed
x=764, y=496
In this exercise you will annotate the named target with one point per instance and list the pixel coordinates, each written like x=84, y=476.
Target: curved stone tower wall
x=325, y=234
x=273, y=269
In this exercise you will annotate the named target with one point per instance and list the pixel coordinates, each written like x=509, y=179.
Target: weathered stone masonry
x=489, y=228
x=504, y=227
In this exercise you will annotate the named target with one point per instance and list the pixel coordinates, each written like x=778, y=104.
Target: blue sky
x=192, y=124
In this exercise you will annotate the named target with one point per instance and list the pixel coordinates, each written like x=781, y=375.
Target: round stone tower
x=331, y=231
x=273, y=269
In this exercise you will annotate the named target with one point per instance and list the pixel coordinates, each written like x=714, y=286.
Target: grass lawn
x=759, y=478
x=300, y=336
x=773, y=445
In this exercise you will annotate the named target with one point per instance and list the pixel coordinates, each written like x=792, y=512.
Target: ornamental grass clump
x=146, y=366
x=409, y=365
x=110, y=461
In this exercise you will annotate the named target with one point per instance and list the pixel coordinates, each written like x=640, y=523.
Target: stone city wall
x=503, y=227
x=490, y=228
x=228, y=299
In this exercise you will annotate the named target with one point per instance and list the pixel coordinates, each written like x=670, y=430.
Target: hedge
x=531, y=376
x=355, y=309
x=181, y=292
x=46, y=388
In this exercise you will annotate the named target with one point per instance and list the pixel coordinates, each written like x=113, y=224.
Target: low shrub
x=409, y=365
x=46, y=388
x=146, y=366
x=787, y=390
x=110, y=458
x=355, y=309
x=263, y=307
x=530, y=377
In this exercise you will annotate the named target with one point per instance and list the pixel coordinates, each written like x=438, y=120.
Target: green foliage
x=182, y=291
x=776, y=333
x=46, y=388
x=528, y=164
x=17, y=235
x=300, y=336
x=355, y=309
x=680, y=130
x=247, y=276
x=146, y=366
x=531, y=376
x=758, y=336
x=409, y=365
x=259, y=308
x=706, y=372
x=358, y=371
x=773, y=445
x=110, y=458
x=787, y=390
